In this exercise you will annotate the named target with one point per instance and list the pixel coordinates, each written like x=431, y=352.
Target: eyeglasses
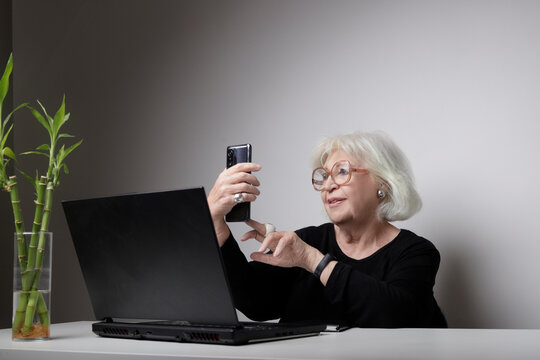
x=340, y=173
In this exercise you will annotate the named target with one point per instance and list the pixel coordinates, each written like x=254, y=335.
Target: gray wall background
x=158, y=89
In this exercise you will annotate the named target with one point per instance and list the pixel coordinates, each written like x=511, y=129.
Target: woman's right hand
x=231, y=181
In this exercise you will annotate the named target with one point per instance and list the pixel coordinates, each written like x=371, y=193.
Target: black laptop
x=153, y=269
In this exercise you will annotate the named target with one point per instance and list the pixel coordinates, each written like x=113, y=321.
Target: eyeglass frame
x=351, y=170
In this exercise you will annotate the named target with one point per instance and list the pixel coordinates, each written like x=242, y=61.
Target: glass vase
x=32, y=286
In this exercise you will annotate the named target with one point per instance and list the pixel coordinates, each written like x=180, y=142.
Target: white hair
x=386, y=163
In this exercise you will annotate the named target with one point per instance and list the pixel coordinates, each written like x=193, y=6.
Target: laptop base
x=225, y=335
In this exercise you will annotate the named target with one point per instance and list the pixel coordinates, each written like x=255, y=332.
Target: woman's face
x=353, y=203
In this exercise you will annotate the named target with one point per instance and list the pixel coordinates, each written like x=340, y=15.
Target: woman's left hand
x=288, y=250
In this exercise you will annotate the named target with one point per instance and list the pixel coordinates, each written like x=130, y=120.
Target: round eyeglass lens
x=319, y=177
x=341, y=172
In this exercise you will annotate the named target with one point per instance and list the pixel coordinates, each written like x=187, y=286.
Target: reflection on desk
x=76, y=341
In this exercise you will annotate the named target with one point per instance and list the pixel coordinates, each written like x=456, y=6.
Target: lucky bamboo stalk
x=27, y=274
x=19, y=226
x=44, y=224
x=39, y=202
x=21, y=245
x=43, y=313
x=9, y=184
x=34, y=294
x=13, y=190
x=20, y=312
x=42, y=310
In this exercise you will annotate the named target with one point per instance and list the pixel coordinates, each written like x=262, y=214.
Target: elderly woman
x=358, y=270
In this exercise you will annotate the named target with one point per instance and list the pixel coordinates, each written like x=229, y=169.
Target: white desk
x=76, y=341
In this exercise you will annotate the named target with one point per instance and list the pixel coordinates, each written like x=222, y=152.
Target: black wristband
x=319, y=269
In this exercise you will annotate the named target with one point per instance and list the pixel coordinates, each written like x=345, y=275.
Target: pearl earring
x=381, y=194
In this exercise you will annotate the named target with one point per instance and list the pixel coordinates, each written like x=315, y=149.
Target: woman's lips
x=334, y=202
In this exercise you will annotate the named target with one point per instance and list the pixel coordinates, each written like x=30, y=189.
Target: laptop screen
x=151, y=256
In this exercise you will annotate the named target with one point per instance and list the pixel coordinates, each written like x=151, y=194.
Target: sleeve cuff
x=231, y=251
x=332, y=287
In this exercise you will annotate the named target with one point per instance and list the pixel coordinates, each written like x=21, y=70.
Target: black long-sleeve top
x=391, y=288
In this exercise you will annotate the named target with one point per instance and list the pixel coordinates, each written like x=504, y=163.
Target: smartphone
x=238, y=154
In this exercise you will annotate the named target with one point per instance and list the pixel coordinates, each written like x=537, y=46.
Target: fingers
x=253, y=234
x=270, y=241
x=279, y=243
x=265, y=258
x=239, y=177
x=236, y=181
x=266, y=243
x=238, y=174
x=243, y=188
x=260, y=228
x=244, y=171
x=245, y=167
x=283, y=243
x=245, y=198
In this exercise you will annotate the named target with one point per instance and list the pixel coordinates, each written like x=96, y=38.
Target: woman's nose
x=330, y=184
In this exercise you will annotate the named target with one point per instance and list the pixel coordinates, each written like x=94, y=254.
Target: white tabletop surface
x=76, y=341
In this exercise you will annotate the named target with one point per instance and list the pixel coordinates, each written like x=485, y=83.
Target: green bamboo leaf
x=3, y=180
x=4, y=177
x=60, y=155
x=29, y=178
x=59, y=117
x=49, y=119
x=56, y=175
x=35, y=153
x=40, y=118
x=4, y=81
x=64, y=135
x=66, y=170
x=11, y=114
x=68, y=150
x=9, y=153
x=45, y=147
x=6, y=135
